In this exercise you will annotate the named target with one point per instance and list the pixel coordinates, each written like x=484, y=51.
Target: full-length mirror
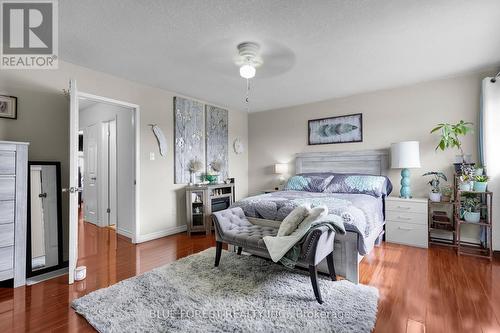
x=44, y=228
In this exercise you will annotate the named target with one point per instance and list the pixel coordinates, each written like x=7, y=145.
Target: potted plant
x=479, y=170
x=446, y=193
x=471, y=209
x=480, y=183
x=435, y=194
x=450, y=138
x=194, y=166
x=466, y=180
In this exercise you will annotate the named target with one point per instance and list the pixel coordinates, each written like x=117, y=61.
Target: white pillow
x=314, y=214
x=291, y=222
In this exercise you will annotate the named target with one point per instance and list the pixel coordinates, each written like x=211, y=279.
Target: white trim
x=162, y=233
x=124, y=232
x=137, y=125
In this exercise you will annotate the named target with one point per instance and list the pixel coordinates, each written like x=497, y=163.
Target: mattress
x=361, y=213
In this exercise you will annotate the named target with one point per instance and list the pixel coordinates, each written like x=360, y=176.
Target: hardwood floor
x=420, y=290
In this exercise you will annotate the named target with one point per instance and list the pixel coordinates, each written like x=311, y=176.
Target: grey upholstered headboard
x=373, y=162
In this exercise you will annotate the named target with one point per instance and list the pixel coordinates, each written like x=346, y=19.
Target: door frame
x=137, y=129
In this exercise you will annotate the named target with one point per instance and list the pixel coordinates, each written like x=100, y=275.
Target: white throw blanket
x=279, y=246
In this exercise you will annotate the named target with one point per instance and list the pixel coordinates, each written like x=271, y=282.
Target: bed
x=363, y=213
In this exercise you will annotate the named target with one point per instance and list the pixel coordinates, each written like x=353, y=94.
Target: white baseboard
x=125, y=233
x=161, y=233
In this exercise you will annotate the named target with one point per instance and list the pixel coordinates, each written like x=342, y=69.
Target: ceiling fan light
x=247, y=71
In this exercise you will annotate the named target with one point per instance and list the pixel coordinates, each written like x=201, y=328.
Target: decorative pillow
x=309, y=182
x=376, y=186
x=291, y=222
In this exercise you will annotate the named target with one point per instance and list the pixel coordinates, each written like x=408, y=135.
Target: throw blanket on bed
x=286, y=249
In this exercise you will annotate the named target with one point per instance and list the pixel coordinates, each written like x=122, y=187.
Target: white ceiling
x=312, y=50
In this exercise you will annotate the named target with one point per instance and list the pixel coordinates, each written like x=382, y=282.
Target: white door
x=49, y=204
x=90, y=156
x=73, y=180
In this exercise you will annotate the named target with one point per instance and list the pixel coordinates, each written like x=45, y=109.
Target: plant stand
x=484, y=249
x=442, y=230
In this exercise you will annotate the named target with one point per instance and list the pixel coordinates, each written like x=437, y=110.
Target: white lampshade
x=281, y=168
x=405, y=154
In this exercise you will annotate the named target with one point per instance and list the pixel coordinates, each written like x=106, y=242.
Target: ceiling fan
x=248, y=60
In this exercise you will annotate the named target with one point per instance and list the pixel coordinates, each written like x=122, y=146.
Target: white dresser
x=13, y=211
x=406, y=221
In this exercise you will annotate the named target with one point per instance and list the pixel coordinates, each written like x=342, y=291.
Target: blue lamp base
x=405, y=191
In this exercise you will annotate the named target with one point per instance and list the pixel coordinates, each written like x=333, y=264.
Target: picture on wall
x=217, y=141
x=8, y=107
x=189, y=122
x=341, y=129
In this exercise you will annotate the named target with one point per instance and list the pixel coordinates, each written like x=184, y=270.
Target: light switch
x=151, y=156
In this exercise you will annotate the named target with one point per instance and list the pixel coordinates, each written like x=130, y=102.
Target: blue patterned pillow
x=376, y=186
x=308, y=182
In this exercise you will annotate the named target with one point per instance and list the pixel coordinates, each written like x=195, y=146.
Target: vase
x=472, y=217
x=480, y=186
x=435, y=197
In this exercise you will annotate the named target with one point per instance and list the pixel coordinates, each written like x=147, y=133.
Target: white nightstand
x=406, y=221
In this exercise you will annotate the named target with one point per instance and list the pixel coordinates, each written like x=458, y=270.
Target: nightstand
x=406, y=221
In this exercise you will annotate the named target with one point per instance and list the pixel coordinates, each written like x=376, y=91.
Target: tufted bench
x=232, y=227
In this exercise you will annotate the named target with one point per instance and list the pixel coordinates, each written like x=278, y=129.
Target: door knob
x=42, y=195
x=72, y=189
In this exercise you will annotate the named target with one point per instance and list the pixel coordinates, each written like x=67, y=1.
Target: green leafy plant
x=468, y=173
x=447, y=191
x=450, y=135
x=471, y=204
x=434, y=183
x=481, y=178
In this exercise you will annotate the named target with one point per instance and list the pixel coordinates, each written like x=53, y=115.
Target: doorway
x=104, y=167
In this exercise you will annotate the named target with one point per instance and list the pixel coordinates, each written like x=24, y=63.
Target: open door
x=73, y=189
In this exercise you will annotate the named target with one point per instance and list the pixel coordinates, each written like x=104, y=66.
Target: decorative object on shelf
x=8, y=107
x=480, y=183
x=405, y=155
x=471, y=208
x=211, y=179
x=450, y=138
x=479, y=170
x=446, y=193
x=435, y=194
x=194, y=166
x=160, y=137
x=466, y=177
x=217, y=140
x=341, y=129
x=216, y=167
x=238, y=146
x=281, y=169
x=189, y=124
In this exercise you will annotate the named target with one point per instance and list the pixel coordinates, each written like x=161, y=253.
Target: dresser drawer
x=6, y=258
x=6, y=234
x=406, y=233
x=414, y=218
x=7, y=188
x=7, y=211
x=409, y=206
x=7, y=162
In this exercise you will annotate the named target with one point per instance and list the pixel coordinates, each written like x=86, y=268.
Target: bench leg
x=239, y=250
x=331, y=267
x=314, y=280
x=218, y=252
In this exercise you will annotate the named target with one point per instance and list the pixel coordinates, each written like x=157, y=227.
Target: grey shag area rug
x=244, y=294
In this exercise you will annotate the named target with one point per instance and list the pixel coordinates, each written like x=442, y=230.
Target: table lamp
x=405, y=155
x=281, y=169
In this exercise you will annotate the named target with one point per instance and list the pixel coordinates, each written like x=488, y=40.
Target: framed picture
x=8, y=107
x=342, y=129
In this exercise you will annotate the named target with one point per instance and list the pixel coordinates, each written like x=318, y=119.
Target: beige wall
x=406, y=113
x=43, y=121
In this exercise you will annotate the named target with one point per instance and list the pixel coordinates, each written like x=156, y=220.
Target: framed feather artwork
x=341, y=129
